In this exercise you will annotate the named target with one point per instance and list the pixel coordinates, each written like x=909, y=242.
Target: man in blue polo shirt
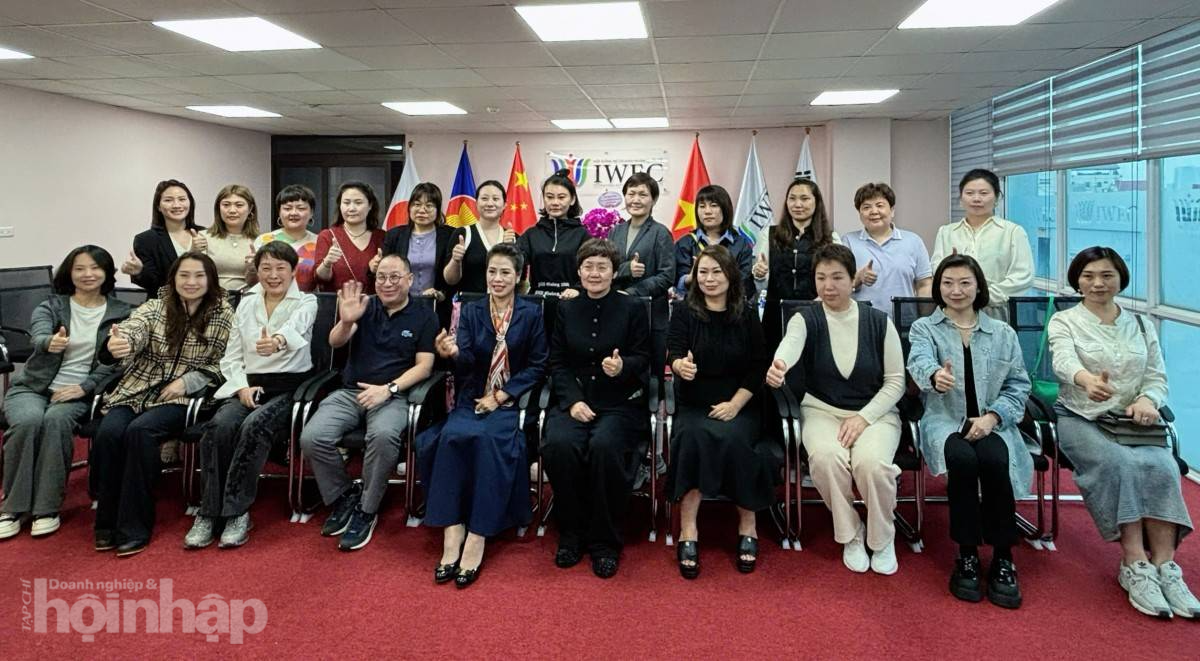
x=391, y=350
x=891, y=262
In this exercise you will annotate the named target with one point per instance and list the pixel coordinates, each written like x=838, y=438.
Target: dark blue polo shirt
x=384, y=347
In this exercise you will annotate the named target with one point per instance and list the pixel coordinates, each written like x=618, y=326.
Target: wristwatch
x=394, y=388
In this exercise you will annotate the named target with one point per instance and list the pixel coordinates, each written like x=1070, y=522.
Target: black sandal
x=445, y=573
x=688, y=551
x=747, y=545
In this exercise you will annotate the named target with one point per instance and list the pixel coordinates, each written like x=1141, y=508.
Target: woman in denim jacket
x=974, y=384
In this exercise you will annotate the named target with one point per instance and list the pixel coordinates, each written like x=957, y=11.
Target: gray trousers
x=38, y=448
x=338, y=415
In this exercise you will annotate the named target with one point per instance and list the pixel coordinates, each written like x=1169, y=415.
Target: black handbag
x=1126, y=432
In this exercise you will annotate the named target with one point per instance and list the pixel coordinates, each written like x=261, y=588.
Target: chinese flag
x=519, y=214
x=695, y=178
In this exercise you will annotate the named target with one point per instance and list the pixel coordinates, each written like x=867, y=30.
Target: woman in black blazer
x=426, y=242
x=173, y=231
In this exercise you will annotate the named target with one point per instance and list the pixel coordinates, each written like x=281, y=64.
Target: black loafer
x=747, y=545
x=567, y=557
x=1002, y=584
x=466, y=577
x=445, y=573
x=132, y=548
x=605, y=566
x=964, y=582
x=106, y=540
x=690, y=552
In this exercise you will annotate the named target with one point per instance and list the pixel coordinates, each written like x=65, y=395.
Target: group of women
x=612, y=330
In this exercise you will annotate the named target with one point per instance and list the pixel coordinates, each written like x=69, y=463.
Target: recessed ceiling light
x=589, y=22
x=581, y=124
x=640, y=122
x=239, y=34
x=6, y=54
x=852, y=97
x=972, y=13
x=394, y=147
x=233, y=111
x=425, y=107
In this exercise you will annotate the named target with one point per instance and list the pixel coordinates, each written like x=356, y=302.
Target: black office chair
x=21, y=290
x=422, y=410
x=134, y=296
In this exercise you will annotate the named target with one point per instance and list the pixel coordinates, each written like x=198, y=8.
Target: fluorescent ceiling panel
x=581, y=124
x=973, y=13
x=233, y=111
x=640, y=122
x=587, y=22
x=6, y=54
x=425, y=107
x=239, y=34
x=852, y=97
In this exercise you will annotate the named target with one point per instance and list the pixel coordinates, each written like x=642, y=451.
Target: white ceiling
x=708, y=63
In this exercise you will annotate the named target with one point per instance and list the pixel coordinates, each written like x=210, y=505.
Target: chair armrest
x=544, y=396
x=312, y=388
x=1166, y=413
x=910, y=407
x=653, y=388
x=16, y=331
x=670, y=393
x=418, y=393
x=781, y=401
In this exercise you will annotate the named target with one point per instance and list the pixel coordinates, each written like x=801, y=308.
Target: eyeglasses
x=391, y=278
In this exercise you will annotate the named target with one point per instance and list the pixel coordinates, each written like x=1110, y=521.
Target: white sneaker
x=201, y=534
x=533, y=472
x=884, y=561
x=854, y=552
x=10, y=526
x=1176, y=592
x=1140, y=580
x=44, y=525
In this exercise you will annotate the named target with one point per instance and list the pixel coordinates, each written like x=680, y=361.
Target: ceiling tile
x=135, y=38
x=705, y=89
x=623, y=91
x=58, y=12
x=1141, y=32
x=357, y=80
x=49, y=69
x=879, y=82
x=217, y=64
x=958, y=40
x=402, y=57
x=704, y=17
x=925, y=63
x=588, y=53
x=708, y=49
x=793, y=45
x=776, y=100
x=319, y=97
x=441, y=78
x=808, y=68
x=54, y=86
x=543, y=125
x=349, y=28
x=197, y=84
x=125, y=66
x=1105, y=10
x=180, y=99
x=301, y=61
x=482, y=56
x=652, y=107
x=276, y=82
x=120, y=100
x=527, y=76
x=714, y=111
x=157, y=10
x=790, y=86
x=527, y=92
x=806, y=16
x=1022, y=61
x=44, y=43
x=564, y=108
x=289, y=6
x=479, y=26
x=706, y=71
x=1048, y=36
x=122, y=86
x=625, y=74
x=701, y=101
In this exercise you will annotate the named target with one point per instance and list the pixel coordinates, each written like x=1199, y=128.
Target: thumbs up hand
x=199, y=242
x=118, y=344
x=760, y=269
x=636, y=268
x=460, y=248
x=776, y=372
x=58, y=341
x=265, y=345
x=685, y=367
x=943, y=379
x=509, y=236
x=373, y=265
x=953, y=251
x=866, y=275
x=446, y=345
x=132, y=265
x=1098, y=387
x=613, y=365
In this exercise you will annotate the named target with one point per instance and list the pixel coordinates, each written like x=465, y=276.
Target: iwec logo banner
x=89, y=607
x=599, y=175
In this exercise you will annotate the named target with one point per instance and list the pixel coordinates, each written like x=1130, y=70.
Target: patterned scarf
x=498, y=373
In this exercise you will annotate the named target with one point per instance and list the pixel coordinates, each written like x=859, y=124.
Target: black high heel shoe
x=688, y=551
x=466, y=577
x=445, y=573
x=747, y=545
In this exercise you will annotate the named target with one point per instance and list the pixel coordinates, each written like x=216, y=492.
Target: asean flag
x=397, y=214
x=462, y=209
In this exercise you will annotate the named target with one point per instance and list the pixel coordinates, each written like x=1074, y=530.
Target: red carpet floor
x=382, y=600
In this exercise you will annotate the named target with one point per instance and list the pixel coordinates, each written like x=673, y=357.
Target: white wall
x=75, y=172
x=920, y=175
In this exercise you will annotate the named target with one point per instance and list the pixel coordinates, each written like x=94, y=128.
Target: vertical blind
x=970, y=146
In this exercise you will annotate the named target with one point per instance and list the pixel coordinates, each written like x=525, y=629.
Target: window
x=1106, y=206
x=1179, y=221
x=1031, y=202
x=1181, y=351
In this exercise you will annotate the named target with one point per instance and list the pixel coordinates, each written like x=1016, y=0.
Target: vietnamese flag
x=462, y=210
x=519, y=214
x=695, y=178
x=397, y=214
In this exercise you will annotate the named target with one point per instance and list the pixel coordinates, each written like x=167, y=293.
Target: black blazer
x=396, y=241
x=157, y=253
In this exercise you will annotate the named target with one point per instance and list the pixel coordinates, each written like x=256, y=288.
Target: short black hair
x=432, y=194
x=980, y=173
x=279, y=250
x=296, y=193
x=63, y=284
x=493, y=183
x=1095, y=254
x=719, y=196
x=402, y=258
x=510, y=252
x=598, y=248
x=982, y=298
x=641, y=179
x=837, y=253
x=873, y=190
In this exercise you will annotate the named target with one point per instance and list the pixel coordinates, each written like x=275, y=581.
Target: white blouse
x=1000, y=246
x=293, y=319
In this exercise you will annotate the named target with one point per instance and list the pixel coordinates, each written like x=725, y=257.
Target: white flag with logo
x=804, y=167
x=753, y=214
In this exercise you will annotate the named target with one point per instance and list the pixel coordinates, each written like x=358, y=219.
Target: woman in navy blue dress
x=474, y=466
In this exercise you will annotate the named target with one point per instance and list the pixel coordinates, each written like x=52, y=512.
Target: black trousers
x=591, y=468
x=980, y=491
x=234, y=450
x=127, y=461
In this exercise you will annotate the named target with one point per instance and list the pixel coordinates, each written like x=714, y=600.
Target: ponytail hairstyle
x=561, y=178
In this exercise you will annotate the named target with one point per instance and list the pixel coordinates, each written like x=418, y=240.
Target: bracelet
x=280, y=342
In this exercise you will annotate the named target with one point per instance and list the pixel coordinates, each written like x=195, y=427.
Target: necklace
x=959, y=326
x=355, y=236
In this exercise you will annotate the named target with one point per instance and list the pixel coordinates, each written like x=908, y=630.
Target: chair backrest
x=25, y=276
x=322, y=353
x=21, y=290
x=134, y=296
x=905, y=311
x=1028, y=316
